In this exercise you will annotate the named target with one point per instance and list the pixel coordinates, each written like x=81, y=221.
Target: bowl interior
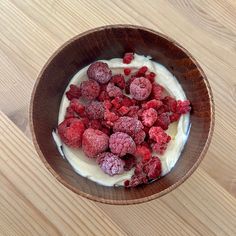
x=106, y=43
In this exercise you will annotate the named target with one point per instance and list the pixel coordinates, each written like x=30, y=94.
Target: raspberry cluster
x=120, y=120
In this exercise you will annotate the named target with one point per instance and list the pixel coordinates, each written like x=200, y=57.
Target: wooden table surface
x=32, y=202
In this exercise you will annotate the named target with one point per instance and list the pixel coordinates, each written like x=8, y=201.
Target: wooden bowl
x=106, y=43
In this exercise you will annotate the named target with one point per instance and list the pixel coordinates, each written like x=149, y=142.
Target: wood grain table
x=32, y=202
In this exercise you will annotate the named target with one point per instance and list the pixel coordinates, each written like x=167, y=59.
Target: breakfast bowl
x=106, y=43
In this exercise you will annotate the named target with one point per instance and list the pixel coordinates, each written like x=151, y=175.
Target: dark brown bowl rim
x=143, y=199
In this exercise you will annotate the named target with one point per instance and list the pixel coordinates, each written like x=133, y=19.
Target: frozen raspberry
x=95, y=124
x=183, y=107
x=128, y=101
x=149, y=117
x=103, y=96
x=161, y=139
x=118, y=80
x=163, y=121
x=140, y=88
x=117, y=102
x=94, y=142
x=70, y=132
x=128, y=125
x=90, y=89
x=73, y=92
x=127, y=71
x=123, y=110
x=153, y=168
x=95, y=110
x=77, y=106
x=130, y=162
x=127, y=86
x=133, y=111
x=152, y=104
x=170, y=103
x=174, y=117
x=113, y=91
x=157, y=91
x=111, y=164
x=151, y=76
x=139, y=137
x=70, y=113
x=128, y=57
x=143, y=152
x=111, y=117
x=107, y=104
x=100, y=72
x=121, y=144
x=142, y=71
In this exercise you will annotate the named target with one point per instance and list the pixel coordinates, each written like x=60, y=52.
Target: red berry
x=90, y=89
x=143, y=153
x=140, y=88
x=133, y=111
x=152, y=104
x=111, y=164
x=114, y=91
x=70, y=113
x=117, y=102
x=153, y=168
x=121, y=144
x=149, y=117
x=70, y=132
x=73, y=92
x=157, y=91
x=127, y=71
x=77, y=106
x=128, y=57
x=111, y=117
x=170, y=103
x=123, y=110
x=128, y=101
x=95, y=110
x=142, y=71
x=174, y=117
x=183, y=107
x=94, y=142
x=163, y=121
x=103, y=96
x=100, y=72
x=107, y=104
x=151, y=77
x=118, y=80
x=139, y=137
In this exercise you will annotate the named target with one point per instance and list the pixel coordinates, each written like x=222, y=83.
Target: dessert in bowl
x=160, y=77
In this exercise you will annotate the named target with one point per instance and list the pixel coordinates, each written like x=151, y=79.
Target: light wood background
x=32, y=202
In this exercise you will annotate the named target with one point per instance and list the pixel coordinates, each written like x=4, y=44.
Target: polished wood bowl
x=106, y=43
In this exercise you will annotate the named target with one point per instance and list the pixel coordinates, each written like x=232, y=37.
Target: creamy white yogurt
x=178, y=130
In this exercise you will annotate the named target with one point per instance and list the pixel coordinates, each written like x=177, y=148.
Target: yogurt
x=178, y=130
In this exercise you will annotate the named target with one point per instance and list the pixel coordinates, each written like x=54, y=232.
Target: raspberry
x=90, y=89
x=128, y=125
x=170, y=103
x=128, y=101
x=111, y=164
x=127, y=86
x=76, y=106
x=107, y=104
x=118, y=80
x=95, y=110
x=133, y=111
x=149, y=117
x=142, y=71
x=94, y=142
x=174, y=117
x=103, y=96
x=152, y=104
x=100, y=72
x=143, y=153
x=110, y=116
x=117, y=102
x=140, y=88
x=121, y=144
x=130, y=162
x=113, y=91
x=123, y=110
x=183, y=107
x=153, y=168
x=157, y=91
x=161, y=139
x=128, y=57
x=73, y=92
x=139, y=137
x=127, y=71
x=95, y=124
x=70, y=132
x=70, y=113
x=151, y=77
x=163, y=120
